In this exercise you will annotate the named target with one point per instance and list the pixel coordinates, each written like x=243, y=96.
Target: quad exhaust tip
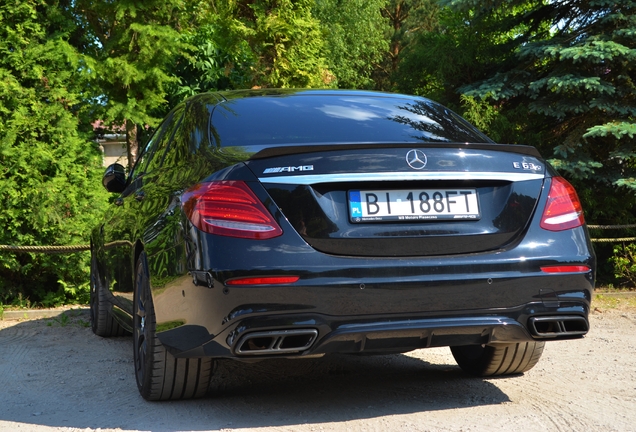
x=559, y=326
x=276, y=342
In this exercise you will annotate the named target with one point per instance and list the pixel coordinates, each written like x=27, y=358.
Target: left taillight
x=229, y=208
x=563, y=209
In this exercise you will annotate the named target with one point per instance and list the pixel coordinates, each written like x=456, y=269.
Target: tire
x=102, y=321
x=498, y=359
x=159, y=375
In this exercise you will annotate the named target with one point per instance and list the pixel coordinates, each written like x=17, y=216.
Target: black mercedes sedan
x=297, y=223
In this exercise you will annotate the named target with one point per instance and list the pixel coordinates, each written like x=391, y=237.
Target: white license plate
x=413, y=205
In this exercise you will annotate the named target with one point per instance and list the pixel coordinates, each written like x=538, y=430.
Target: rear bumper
x=418, y=312
x=309, y=334
x=373, y=305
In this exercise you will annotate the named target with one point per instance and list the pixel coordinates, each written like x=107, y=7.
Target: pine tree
x=407, y=19
x=133, y=46
x=580, y=76
x=49, y=172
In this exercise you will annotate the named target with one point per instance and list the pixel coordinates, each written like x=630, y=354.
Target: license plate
x=413, y=205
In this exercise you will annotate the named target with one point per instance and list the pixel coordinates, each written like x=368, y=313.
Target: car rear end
x=328, y=240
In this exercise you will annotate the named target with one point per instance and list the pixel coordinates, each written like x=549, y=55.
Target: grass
x=71, y=317
x=62, y=320
x=619, y=300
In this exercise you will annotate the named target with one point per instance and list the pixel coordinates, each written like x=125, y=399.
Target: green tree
x=355, y=34
x=49, y=173
x=133, y=45
x=557, y=75
x=566, y=67
x=252, y=43
x=286, y=41
x=406, y=19
x=466, y=48
x=221, y=59
x=579, y=76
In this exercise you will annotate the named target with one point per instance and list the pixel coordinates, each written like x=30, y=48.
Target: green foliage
x=220, y=60
x=62, y=320
x=466, y=46
x=288, y=42
x=67, y=293
x=557, y=75
x=355, y=35
x=500, y=126
x=618, y=130
x=580, y=78
x=624, y=262
x=244, y=44
x=132, y=47
x=407, y=20
x=49, y=172
x=566, y=62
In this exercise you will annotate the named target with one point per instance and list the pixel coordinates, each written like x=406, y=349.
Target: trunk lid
x=404, y=200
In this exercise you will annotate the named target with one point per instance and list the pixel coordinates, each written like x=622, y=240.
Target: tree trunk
x=132, y=146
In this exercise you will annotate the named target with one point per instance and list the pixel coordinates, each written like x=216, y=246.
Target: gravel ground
x=57, y=375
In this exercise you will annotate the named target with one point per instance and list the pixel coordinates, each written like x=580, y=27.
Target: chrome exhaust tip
x=559, y=326
x=276, y=342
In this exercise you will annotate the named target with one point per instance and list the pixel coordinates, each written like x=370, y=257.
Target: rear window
x=307, y=119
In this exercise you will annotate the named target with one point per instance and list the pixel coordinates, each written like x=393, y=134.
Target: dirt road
x=57, y=375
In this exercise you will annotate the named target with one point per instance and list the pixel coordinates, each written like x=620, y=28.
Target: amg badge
x=288, y=169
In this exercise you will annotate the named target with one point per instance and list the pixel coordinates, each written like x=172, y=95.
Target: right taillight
x=563, y=209
x=229, y=208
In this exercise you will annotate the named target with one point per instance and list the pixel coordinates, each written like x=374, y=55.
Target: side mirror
x=114, y=179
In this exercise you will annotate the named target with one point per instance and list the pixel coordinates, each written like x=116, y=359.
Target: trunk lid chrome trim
x=397, y=176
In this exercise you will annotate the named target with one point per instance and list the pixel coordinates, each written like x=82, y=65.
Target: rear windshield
x=331, y=119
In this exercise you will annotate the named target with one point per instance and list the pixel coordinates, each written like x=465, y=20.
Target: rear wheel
x=102, y=321
x=498, y=359
x=161, y=376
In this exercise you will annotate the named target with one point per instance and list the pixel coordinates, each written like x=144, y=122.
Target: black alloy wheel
x=102, y=322
x=159, y=375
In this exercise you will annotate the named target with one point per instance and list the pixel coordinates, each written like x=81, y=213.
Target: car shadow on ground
x=59, y=374
x=340, y=388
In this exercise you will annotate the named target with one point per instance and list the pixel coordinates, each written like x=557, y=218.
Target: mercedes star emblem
x=416, y=159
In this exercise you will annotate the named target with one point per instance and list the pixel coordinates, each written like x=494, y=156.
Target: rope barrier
x=603, y=227
x=45, y=249
x=80, y=248
x=612, y=227
x=613, y=240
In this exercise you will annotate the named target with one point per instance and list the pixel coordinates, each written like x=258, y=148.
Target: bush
x=49, y=172
x=624, y=261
